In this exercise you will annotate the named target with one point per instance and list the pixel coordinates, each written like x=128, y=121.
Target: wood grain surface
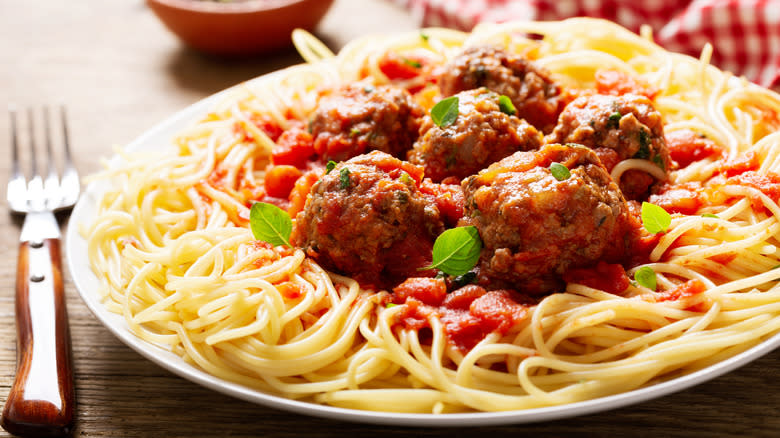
x=120, y=72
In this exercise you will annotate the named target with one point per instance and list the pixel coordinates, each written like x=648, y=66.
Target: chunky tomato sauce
x=686, y=147
x=687, y=293
x=609, y=277
x=618, y=83
x=469, y=313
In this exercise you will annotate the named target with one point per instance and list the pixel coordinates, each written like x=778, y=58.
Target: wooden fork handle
x=41, y=401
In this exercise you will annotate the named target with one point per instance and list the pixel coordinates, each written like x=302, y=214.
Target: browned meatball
x=627, y=124
x=532, y=90
x=366, y=218
x=356, y=119
x=534, y=227
x=481, y=135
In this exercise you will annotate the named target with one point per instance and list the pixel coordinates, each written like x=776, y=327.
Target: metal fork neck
x=39, y=225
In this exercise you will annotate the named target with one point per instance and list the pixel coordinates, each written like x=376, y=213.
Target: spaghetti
x=174, y=255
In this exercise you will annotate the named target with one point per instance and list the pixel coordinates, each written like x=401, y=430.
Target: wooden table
x=120, y=72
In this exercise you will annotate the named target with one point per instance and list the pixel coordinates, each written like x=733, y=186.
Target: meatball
x=481, y=135
x=535, y=224
x=367, y=218
x=629, y=125
x=532, y=90
x=356, y=119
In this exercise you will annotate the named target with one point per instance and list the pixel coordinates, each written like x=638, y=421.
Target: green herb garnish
x=659, y=162
x=270, y=223
x=328, y=167
x=456, y=250
x=424, y=36
x=655, y=219
x=405, y=178
x=714, y=216
x=445, y=111
x=463, y=280
x=614, y=119
x=411, y=62
x=645, y=276
x=559, y=171
x=644, y=145
x=506, y=105
x=344, y=178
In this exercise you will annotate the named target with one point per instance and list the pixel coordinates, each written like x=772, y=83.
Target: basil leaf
x=344, y=178
x=456, y=250
x=655, y=219
x=506, y=106
x=559, y=171
x=270, y=223
x=445, y=111
x=645, y=276
x=328, y=167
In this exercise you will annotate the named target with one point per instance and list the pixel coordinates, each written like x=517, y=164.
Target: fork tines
x=44, y=190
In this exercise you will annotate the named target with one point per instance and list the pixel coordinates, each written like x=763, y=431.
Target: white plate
x=87, y=284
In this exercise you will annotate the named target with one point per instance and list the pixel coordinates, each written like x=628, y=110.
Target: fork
x=41, y=400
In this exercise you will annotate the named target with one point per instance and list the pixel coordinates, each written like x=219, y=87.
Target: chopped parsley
x=659, y=162
x=344, y=178
x=614, y=120
x=644, y=145
x=411, y=63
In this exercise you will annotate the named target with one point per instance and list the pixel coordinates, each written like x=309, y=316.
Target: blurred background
x=120, y=70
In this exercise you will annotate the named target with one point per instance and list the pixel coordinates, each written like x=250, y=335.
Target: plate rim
x=85, y=282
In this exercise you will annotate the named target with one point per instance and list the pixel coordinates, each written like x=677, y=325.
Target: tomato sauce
x=395, y=66
x=468, y=314
x=687, y=293
x=744, y=163
x=768, y=184
x=682, y=198
x=609, y=277
x=686, y=147
x=619, y=83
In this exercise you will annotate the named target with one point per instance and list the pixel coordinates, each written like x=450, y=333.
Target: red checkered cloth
x=745, y=34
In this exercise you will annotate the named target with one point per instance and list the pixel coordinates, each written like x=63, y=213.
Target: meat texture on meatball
x=367, y=218
x=481, y=134
x=618, y=128
x=530, y=87
x=356, y=119
x=537, y=220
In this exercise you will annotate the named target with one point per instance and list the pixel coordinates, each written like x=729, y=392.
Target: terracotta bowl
x=239, y=27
